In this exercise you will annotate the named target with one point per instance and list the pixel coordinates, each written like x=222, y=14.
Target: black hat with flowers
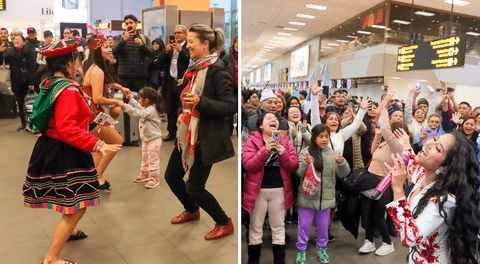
x=60, y=47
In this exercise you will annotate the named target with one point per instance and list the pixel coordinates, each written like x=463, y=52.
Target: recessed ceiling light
x=278, y=38
x=275, y=41
x=401, y=22
x=292, y=29
x=326, y=47
x=322, y=50
x=457, y=2
x=285, y=34
x=305, y=16
x=378, y=26
x=333, y=44
x=268, y=47
x=274, y=45
x=423, y=13
x=364, y=32
x=342, y=40
x=397, y=78
x=296, y=23
x=473, y=34
x=316, y=7
x=351, y=37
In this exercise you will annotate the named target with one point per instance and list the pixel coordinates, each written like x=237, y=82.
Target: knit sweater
x=324, y=198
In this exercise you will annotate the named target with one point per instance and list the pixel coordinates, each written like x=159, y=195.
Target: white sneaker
x=385, y=249
x=367, y=247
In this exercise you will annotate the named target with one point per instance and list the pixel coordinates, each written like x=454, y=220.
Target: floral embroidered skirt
x=60, y=177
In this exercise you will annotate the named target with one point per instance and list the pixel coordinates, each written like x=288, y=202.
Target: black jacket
x=216, y=103
x=229, y=60
x=170, y=90
x=130, y=56
x=22, y=68
x=32, y=44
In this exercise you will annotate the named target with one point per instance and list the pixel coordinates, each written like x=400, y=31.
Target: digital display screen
x=299, y=62
x=339, y=83
x=349, y=83
x=435, y=54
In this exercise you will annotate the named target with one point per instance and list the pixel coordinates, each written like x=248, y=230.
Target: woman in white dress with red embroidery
x=439, y=220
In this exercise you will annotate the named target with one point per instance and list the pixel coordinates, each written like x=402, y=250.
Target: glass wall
x=389, y=23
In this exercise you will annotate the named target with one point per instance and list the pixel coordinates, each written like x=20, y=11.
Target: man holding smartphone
x=131, y=48
x=176, y=60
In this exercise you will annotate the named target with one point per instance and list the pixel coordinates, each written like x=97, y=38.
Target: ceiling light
x=305, y=16
x=401, y=22
x=275, y=41
x=322, y=50
x=278, y=38
x=351, y=37
x=326, y=47
x=274, y=45
x=457, y=2
x=378, y=26
x=268, y=47
x=342, y=40
x=316, y=7
x=364, y=32
x=333, y=44
x=397, y=78
x=296, y=23
x=423, y=13
x=292, y=29
x=265, y=49
x=285, y=34
x=473, y=34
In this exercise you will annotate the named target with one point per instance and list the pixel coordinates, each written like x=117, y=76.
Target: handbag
x=354, y=181
x=5, y=82
x=311, y=182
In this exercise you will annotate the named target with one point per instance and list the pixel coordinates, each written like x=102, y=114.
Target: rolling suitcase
x=29, y=100
x=120, y=126
x=8, y=107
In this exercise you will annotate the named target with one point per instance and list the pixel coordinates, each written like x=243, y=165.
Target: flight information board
x=435, y=54
x=2, y=5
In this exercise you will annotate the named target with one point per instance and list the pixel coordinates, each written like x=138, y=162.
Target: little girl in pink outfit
x=147, y=107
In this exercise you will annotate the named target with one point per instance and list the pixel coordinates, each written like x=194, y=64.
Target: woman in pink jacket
x=268, y=186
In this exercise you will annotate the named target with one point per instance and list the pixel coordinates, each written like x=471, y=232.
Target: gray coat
x=324, y=198
x=149, y=123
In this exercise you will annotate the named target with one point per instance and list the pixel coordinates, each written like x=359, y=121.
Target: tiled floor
x=344, y=250
x=131, y=224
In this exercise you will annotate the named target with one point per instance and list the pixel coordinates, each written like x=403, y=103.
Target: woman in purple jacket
x=268, y=186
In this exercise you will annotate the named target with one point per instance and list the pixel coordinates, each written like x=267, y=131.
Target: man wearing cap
x=32, y=41
x=268, y=103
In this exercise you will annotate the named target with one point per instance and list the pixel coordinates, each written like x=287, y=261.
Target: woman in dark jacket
x=22, y=73
x=207, y=98
x=157, y=70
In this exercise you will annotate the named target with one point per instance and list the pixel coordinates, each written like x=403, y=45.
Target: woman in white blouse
x=439, y=220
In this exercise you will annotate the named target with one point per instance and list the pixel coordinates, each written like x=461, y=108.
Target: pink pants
x=150, y=160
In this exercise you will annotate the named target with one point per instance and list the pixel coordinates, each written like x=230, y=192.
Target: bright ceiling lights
x=457, y=2
x=473, y=34
x=305, y=16
x=378, y=26
x=333, y=44
x=273, y=45
x=292, y=29
x=364, y=32
x=268, y=47
x=342, y=40
x=401, y=22
x=284, y=34
x=351, y=37
x=423, y=13
x=275, y=41
x=326, y=47
x=279, y=38
x=316, y=7
x=296, y=23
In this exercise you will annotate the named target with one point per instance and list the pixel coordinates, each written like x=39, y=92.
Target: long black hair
x=96, y=58
x=315, y=150
x=59, y=63
x=154, y=97
x=460, y=178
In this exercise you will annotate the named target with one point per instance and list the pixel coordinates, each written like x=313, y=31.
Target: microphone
x=377, y=192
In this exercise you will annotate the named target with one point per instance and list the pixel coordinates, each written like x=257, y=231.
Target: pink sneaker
x=152, y=183
x=142, y=178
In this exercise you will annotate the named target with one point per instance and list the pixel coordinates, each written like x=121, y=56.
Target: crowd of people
x=299, y=166
x=76, y=107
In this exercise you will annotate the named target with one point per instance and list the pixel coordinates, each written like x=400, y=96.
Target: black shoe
x=331, y=238
x=288, y=218
x=170, y=137
x=105, y=186
x=295, y=217
x=21, y=128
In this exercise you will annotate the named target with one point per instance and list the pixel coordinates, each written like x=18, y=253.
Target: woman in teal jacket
x=328, y=164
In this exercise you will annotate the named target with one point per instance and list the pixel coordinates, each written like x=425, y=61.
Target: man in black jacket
x=176, y=59
x=22, y=73
x=32, y=42
x=131, y=48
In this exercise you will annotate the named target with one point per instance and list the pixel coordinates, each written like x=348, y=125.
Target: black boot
x=278, y=254
x=254, y=254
